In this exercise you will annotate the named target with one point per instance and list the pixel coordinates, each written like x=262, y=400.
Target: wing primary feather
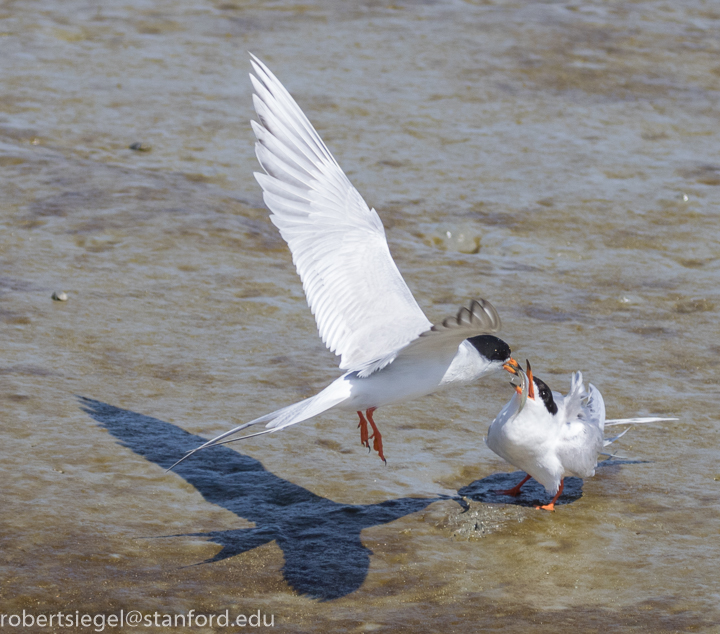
x=278, y=146
x=272, y=83
x=362, y=306
x=480, y=313
x=442, y=340
x=281, y=188
x=289, y=136
x=290, y=130
x=278, y=168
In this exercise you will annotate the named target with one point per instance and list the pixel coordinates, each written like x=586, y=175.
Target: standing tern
x=550, y=436
x=365, y=312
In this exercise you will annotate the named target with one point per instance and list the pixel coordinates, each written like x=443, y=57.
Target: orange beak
x=531, y=386
x=511, y=366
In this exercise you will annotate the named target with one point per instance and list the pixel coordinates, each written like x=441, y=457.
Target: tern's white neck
x=469, y=365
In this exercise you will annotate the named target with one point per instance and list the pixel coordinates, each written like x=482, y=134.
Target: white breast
x=528, y=440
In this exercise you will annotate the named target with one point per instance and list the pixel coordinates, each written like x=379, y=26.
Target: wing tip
x=480, y=312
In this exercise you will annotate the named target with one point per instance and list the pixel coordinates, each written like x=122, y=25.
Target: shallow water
x=558, y=159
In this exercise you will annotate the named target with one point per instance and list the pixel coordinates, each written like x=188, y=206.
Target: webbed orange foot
x=376, y=435
x=551, y=506
x=363, y=425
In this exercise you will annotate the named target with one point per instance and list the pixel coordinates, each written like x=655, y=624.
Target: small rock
x=474, y=520
x=694, y=305
x=460, y=238
x=140, y=147
x=60, y=297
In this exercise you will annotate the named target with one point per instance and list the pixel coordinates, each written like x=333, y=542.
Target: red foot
x=515, y=491
x=363, y=425
x=551, y=506
x=376, y=435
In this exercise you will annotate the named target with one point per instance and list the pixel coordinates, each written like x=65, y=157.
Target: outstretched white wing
x=362, y=306
x=443, y=339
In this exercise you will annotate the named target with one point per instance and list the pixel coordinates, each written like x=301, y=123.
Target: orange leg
x=376, y=436
x=363, y=425
x=515, y=491
x=551, y=506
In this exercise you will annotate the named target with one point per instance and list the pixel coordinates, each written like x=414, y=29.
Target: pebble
x=60, y=297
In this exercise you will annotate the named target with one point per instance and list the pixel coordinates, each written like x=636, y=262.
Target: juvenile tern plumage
x=364, y=310
x=550, y=436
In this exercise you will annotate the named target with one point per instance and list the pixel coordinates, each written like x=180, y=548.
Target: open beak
x=513, y=367
x=531, y=386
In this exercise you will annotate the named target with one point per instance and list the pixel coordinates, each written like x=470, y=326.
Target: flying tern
x=365, y=313
x=550, y=436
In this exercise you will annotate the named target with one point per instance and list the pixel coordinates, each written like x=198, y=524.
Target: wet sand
x=557, y=159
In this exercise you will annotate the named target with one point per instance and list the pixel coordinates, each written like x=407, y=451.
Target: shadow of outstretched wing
x=320, y=539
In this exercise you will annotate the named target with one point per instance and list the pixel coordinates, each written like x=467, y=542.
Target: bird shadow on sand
x=320, y=539
x=532, y=493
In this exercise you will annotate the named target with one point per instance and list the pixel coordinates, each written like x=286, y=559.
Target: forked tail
x=636, y=421
x=629, y=421
x=332, y=395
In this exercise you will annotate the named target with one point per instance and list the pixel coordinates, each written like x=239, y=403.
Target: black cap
x=491, y=347
x=546, y=396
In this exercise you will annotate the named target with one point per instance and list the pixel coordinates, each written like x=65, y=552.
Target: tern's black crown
x=491, y=347
x=546, y=395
